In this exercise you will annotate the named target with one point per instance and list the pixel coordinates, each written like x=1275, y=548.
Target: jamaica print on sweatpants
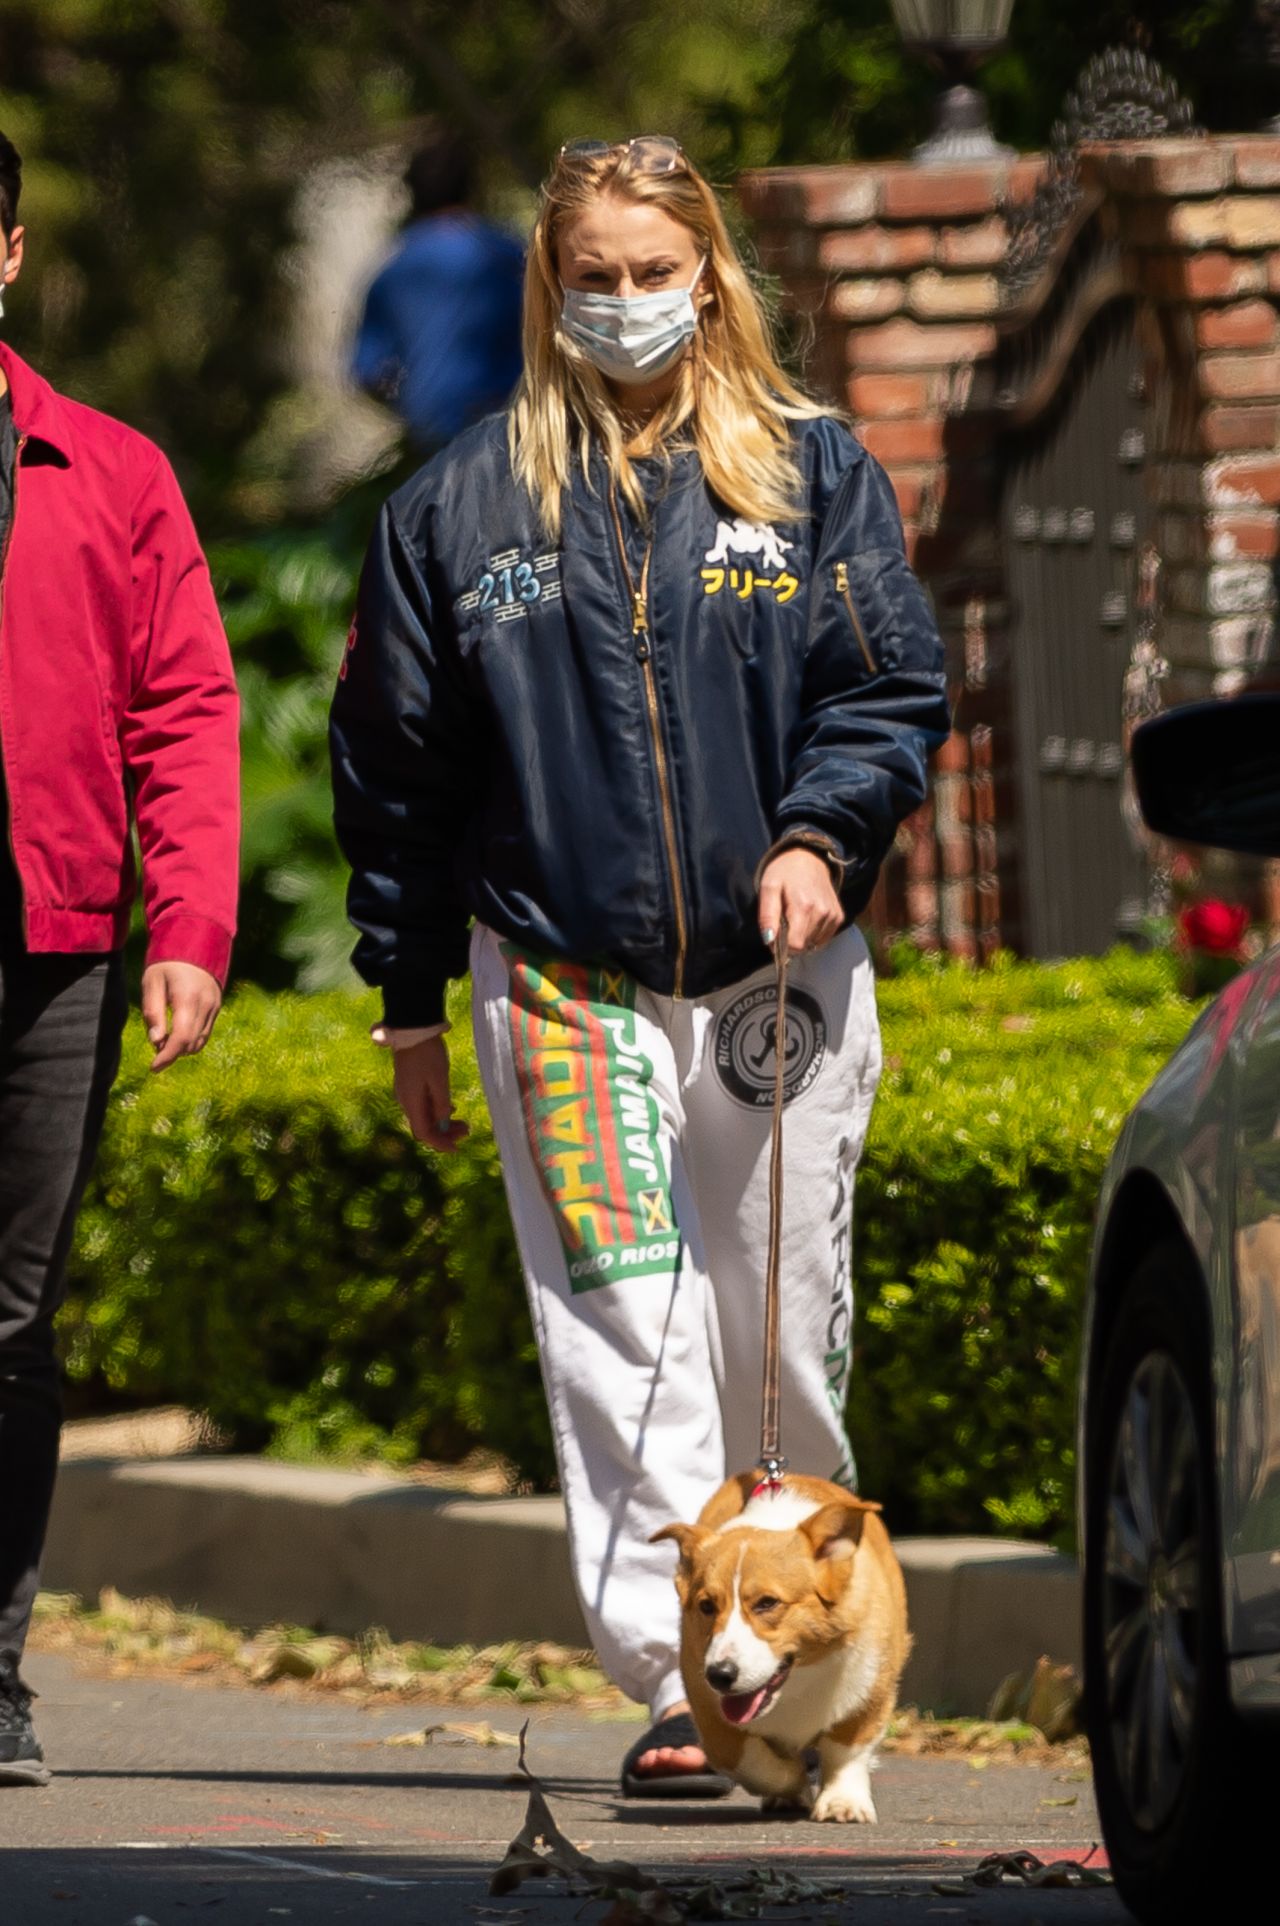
x=592, y=1118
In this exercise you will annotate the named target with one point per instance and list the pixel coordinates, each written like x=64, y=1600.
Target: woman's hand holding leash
x=422, y=1091
x=797, y=885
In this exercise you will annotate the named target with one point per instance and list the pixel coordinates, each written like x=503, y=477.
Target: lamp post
x=955, y=37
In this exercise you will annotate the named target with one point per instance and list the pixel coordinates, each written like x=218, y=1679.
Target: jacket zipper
x=639, y=599
x=4, y=564
x=842, y=588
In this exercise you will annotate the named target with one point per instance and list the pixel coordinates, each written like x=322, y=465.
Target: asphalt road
x=176, y=1803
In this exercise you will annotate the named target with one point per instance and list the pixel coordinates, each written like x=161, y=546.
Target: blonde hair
x=732, y=399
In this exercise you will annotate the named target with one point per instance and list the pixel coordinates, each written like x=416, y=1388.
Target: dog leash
x=772, y=1462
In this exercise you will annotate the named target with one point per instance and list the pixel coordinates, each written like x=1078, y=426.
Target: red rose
x=1214, y=926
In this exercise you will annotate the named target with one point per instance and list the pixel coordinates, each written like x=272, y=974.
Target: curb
x=256, y=1543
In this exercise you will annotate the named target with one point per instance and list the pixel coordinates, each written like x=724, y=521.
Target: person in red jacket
x=115, y=690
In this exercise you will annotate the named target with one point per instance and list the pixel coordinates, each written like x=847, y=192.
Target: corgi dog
x=793, y=1635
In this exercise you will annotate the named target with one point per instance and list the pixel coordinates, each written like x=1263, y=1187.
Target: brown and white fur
x=793, y=1635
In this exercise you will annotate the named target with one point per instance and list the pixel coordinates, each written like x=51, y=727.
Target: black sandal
x=676, y=1730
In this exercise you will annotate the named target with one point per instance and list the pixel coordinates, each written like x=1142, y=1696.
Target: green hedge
x=264, y=1241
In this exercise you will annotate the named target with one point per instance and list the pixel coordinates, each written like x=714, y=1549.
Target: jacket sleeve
x=874, y=700
x=401, y=739
x=179, y=736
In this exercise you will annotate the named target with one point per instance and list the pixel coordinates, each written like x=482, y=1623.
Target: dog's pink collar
x=771, y=1485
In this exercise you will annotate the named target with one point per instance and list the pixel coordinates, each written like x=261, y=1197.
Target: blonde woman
x=637, y=669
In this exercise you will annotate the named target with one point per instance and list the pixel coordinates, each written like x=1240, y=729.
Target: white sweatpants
x=634, y=1137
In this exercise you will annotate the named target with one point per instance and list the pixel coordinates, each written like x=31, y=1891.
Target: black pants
x=61, y=1019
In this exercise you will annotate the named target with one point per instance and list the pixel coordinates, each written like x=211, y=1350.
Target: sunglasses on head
x=646, y=153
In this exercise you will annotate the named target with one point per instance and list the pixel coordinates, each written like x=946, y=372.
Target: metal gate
x=1074, y=519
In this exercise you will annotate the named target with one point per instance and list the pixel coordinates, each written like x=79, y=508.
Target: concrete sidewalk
x=255, y=1542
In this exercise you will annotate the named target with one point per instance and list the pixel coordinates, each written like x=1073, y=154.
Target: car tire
x=1175, y=1773
x=1155, y=1665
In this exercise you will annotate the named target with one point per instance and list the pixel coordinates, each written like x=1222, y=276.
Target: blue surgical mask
x=632, y=337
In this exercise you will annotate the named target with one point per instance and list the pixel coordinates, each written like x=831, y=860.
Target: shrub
x=1002, y=1096
x=262, y=1239
x=286, y=600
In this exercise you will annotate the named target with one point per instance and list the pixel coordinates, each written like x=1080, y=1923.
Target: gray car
x=1180, y=1412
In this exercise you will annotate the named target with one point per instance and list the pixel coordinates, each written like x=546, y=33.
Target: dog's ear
x=689, y=1538
x=836, y=1530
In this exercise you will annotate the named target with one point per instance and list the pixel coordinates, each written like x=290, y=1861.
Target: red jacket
x=115, y=686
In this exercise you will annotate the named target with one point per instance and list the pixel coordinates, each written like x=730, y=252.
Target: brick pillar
x=894, y=265
x=919, y=851
x=1199, y=223
x=892, y=271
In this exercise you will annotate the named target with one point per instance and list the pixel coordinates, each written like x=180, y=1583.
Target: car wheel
x=1167, y=1758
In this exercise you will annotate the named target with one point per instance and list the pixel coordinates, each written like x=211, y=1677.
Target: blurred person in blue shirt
x=439, y=339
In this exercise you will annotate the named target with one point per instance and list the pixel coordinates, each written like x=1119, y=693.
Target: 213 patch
x=510, y=585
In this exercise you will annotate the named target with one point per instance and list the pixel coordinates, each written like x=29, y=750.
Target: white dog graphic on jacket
x=749, y=538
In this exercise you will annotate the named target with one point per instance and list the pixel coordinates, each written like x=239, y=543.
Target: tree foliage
x=164, y=144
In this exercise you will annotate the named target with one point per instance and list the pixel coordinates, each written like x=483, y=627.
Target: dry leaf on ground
x=540, y=1850
x=484, y=1734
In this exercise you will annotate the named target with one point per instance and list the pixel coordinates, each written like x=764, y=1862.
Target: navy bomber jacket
x=591, y=747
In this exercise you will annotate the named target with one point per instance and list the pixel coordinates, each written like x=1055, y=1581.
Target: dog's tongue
x=741, y=1707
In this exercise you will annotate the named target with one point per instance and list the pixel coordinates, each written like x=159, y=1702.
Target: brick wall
x=892, y=273
x=1200, y=225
